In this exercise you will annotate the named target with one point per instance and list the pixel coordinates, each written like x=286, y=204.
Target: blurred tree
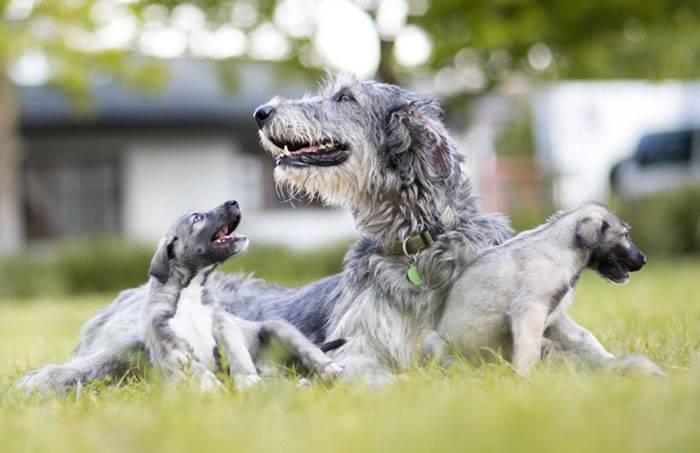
x=488, y=42
x=56, y=37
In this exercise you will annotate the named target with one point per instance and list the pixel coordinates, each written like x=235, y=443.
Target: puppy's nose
x=263, y=113
x=232, y=203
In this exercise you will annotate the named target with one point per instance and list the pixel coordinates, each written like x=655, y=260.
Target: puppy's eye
x=342, y=97
x=197, y=218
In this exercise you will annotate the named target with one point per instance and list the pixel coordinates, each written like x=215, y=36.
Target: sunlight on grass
x=559, y=408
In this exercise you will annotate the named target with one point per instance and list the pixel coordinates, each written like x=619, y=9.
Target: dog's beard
x=348, y=183
x=332, y=186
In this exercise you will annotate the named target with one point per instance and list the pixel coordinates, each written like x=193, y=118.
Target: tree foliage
x=587, y=39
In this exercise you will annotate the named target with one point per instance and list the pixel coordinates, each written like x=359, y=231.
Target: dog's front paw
x=208, y=382
x=637, y=364
x=245, y=381
x=331, y=372
x=303, y=383
x=50, y=378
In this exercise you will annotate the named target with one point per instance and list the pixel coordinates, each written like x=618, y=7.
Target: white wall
x=299, y=228
x=583, y=128
x=163, y=180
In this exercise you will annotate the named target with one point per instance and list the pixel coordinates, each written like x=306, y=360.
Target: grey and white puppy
x=514, y=295
x=185, y=328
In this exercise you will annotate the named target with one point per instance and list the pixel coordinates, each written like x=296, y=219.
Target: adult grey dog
x=385, y=153
x=186, y=330
x=513, y=295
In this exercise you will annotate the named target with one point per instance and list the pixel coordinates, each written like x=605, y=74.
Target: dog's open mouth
x=614, y=272
x=226, y=234
x=299, y=154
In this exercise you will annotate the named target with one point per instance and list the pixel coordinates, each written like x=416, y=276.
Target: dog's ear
x=590, y=229
x=160, y=264
x=417, y=127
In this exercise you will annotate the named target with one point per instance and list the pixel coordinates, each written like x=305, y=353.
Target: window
x=68, y=196
x=666, y=148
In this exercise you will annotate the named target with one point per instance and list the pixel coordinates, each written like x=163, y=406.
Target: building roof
x=193, y=96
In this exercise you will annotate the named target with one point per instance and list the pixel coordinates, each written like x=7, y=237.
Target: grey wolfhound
x=186, y=330
x=384, y=152
x=514, y=295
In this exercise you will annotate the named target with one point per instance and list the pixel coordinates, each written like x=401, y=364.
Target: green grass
x=559, y=408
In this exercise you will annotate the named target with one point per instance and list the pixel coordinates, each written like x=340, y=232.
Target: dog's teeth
x=286, y=151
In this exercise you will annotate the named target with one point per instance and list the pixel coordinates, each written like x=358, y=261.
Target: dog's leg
x=362, y=368
x=362, y=364
x=170, y=353
x=178, y=363
x=434, y=347
x=527, y=327
x=79, y=370
x=574, y=339
x=309, y=354
x=231, y=338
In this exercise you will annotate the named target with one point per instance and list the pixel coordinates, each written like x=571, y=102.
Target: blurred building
x=584, y=128
x=581, y=131
x=140, y=160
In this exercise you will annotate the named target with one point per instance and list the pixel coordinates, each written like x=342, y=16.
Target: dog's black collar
x=415, y=243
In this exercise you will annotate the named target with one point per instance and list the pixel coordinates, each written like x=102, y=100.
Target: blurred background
x=116, y=116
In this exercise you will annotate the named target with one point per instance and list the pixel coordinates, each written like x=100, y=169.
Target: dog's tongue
x=222, y=233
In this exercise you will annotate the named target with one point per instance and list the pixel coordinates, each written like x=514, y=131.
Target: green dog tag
x=413, y=276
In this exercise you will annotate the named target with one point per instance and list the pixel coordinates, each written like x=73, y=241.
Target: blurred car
x=661, y=162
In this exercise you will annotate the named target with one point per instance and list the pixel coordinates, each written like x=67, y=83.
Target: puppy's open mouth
x=226, y=234
x=300, y=154
x=615, y=272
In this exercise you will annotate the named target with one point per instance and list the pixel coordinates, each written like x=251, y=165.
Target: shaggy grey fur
x=386, y=154
x=514, y=295
x=398, y=172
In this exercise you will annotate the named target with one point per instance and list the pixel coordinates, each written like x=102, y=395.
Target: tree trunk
x=11, y=236
x=385, y=72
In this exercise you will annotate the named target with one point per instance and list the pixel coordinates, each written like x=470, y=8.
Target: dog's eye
x=197, y=218
x=342, y=97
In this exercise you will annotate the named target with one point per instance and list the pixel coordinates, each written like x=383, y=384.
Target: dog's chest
x=193, y=322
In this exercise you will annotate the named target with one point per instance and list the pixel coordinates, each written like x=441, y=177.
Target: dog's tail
x=333, y=344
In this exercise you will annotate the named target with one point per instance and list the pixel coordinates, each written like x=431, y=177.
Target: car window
x=666, y=148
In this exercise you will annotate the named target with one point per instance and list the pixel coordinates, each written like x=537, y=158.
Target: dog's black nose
x=232, y=203
x=263, y=113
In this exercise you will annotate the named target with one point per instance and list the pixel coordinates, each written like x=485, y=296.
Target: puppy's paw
x=637, y=364
x=245, y=381
x=208, y=382
x=303, y=383
x=331, y=371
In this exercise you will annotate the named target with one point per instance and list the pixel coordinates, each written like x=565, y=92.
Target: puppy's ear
x=590, y=229
x=160, y=264
x=417, y=128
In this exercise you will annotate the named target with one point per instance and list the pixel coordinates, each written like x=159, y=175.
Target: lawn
x=559, y=408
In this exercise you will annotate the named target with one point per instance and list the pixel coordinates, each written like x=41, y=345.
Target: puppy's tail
x=333, y=344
